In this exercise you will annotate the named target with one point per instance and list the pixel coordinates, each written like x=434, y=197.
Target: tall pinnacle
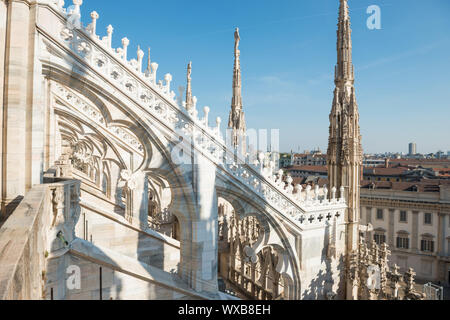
x=344, y=68
x=189, y=100
x=344, y=147
x=237, y=94
x=237, y=116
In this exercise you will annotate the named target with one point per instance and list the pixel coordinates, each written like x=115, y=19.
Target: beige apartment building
x=414, y=220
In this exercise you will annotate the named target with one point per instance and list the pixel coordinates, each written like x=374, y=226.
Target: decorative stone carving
x=370, y=274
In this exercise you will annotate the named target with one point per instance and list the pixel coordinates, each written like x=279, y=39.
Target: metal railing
x=433, y=292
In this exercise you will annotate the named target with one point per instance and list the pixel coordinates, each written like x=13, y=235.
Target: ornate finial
x=168, y=79
x=218, y=122
x=149, y=62
x=237, y=40
x=93, y=26
x=140, y=56
x=206, y=110
x=125, y=43
x=109, y=31
x=189, y=101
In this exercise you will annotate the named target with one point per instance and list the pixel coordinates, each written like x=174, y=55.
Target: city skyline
x=300, y=149
x=287, y=62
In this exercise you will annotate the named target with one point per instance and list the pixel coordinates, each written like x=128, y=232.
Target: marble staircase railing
x=39, y=225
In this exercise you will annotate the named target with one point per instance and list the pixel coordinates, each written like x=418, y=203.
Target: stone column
x=415, y=231
x=204, y=227
x=391, y=227
x=441, y=234
x=369, y=235
x=3, y=35
x=36, y=105
x=368, y=215
x=16, y=106
x=363, y=215
x=139, y=200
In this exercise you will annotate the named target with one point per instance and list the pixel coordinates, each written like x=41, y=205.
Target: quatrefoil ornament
x=128, y=180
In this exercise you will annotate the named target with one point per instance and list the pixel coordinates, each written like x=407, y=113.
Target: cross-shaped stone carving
x=311, y=219
x=329, y=216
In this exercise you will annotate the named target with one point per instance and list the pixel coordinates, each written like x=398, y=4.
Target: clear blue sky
x=288, y=53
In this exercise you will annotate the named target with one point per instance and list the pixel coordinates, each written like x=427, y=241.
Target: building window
x=403, y=242
x=403, y=216
x=380, y=238
x=380, y=214
x=428, y=219
x=427, y=245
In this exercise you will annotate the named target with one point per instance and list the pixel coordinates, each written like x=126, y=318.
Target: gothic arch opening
x=245, y=273
x=160, y=216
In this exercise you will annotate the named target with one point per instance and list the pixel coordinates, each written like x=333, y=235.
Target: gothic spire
x=237, y=116
x=189, y=100
x=344, y=148
x=344, y=73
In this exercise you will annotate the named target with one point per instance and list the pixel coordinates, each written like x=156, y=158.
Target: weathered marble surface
x=22, y=248
x=123, y=278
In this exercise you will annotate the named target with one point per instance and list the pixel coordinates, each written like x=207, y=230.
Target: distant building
x=412, y=149
x=306, y=171
x=414, y=220
x=285, y=160
x=370, y=162
x=440, y=155
x=391, y=171
x=315, y=158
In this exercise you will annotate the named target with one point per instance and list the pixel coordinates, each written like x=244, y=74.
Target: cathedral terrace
x=114, y=187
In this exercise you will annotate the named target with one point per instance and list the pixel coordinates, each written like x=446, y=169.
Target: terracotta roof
x=318, y=169
x=443, y=172
x=422, y=162
x=304, y=155
x=423, y=186
x=385, y=171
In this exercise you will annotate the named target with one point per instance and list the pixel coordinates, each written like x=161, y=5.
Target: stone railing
x=41, y=224
x=302, y=207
